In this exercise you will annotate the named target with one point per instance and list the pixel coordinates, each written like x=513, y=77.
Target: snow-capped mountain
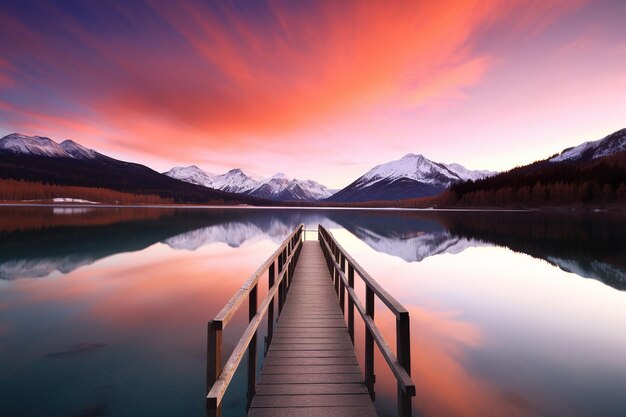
x=613, y=143
x=42, y=146
x=282, y=188
x=193, y=175
x=409, y=177
x=233, y=181
x=41, y=159
x=277, y=187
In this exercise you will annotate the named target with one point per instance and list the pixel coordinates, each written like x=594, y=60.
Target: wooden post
x=270, y=309
x=342, y=290
x=214, y=364
x=280, y=286
x=252, y=310
x=286, y=278
x=291, y=264
x=351, y=303
x=403, y=353
x=369, y=343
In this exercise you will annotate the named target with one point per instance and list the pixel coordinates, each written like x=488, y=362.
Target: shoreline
x=286, y=207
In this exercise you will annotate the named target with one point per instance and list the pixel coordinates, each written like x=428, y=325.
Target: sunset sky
x=316, y=89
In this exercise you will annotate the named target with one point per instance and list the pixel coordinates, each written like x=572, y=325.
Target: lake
x=103, y=311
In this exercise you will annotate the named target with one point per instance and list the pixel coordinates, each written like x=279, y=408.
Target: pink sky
x=321, y=90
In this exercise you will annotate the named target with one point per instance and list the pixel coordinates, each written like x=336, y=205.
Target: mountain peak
x=279, y=175
x=17, y=143
x=411, y=176
x=413, y=156
x=76, y=150
x=587, y=151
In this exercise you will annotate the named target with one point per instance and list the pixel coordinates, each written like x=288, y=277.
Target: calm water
x=103, y=311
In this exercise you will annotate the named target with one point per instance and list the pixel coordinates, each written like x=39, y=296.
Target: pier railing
x=400, y=362
x=280, y=267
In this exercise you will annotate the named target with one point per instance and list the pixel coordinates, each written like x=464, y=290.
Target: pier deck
x=311, y=368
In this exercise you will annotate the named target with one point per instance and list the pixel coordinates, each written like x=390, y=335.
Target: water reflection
x=588, y=245
x=117, y=315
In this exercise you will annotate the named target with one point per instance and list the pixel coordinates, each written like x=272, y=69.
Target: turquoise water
x=103, y=312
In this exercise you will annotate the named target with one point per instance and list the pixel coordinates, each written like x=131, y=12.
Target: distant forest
x=601, y=182
x=18, y=190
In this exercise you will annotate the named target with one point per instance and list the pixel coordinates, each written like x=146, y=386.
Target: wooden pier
x=310, y=368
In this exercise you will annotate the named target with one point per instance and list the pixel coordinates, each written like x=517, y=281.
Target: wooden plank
x=311, y=369
x=321, y=400
x=311, y=379
x=310, y=332
x=301, y=322
x=298, y=334
x=310, y=340
x=309, y=346
x=310, y=361
x=311, y=353
x=367, y=411
x=311, y=389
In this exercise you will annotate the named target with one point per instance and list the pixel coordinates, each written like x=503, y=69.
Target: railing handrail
x=228, y=311
x=399, y=363
x=394, y=305
x=219, y=378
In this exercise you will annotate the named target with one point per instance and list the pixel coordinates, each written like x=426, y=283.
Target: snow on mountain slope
x=77, y=151
x=277, y=187
x=193, y=175
x=42, y=146
x=32, y=145
x=420, y=168
x=280, y=187
x=314, y=189
x=468, y=174
x=411, y=166
x=613, y=143
x=235, y=181
x=409, y=177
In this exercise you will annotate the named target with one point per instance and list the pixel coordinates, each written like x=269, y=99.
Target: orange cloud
x=225, y=77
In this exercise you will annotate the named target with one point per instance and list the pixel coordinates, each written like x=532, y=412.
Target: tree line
x=600, y=182
x=20, y=190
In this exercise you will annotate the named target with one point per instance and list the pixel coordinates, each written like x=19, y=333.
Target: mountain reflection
x=35, y=242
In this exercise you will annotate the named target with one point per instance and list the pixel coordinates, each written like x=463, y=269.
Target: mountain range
x=409, y=177
x=40, y=159
x=277, y=187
